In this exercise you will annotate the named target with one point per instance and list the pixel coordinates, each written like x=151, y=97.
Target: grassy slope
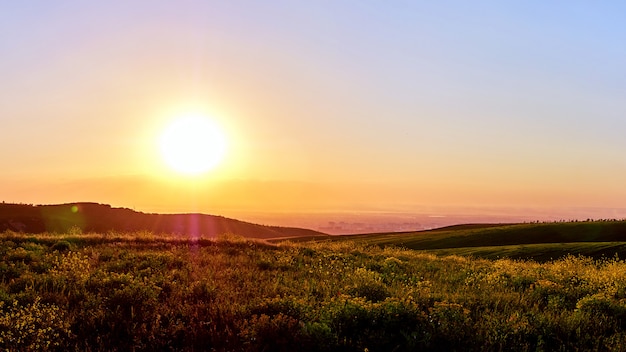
x=454, y=237
x=543, y=241
x=540, y=252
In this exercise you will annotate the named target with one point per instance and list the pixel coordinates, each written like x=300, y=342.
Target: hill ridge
x=103, y=218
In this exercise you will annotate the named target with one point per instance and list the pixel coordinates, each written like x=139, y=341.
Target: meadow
x=148, y=292
x=536, y=241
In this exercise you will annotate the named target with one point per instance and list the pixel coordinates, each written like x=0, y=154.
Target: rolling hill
x=480, y=235
x=101, y=218
x=538, y=241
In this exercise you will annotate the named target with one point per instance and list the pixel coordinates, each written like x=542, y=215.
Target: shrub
x=272, y=333
x=32, y=327
x=372, y=291
x=600, y=304
x=61, y=246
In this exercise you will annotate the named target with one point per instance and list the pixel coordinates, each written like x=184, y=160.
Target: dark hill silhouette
x=101, y=218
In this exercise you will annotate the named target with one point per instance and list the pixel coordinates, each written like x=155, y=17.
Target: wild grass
x=541, y=252
x=144, y=292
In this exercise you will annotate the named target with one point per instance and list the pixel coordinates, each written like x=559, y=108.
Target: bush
x=32, y=327
x=61, y=246
x=272, y=333
x=372, y=291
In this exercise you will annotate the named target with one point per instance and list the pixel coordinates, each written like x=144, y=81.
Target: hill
x=504, y=234
x=101, y=218
x=538, y=241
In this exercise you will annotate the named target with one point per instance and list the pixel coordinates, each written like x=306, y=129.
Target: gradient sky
x=328, y=105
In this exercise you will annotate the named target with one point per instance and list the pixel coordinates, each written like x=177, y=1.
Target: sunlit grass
x=158, y=292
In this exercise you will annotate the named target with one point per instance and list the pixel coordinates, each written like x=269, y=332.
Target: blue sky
x=437, y=102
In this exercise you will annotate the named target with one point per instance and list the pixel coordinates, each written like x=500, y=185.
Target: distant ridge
x=102, y=218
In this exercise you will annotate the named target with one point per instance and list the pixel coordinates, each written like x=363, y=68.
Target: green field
x=146, y=292
x=541, y=242
x=541, y=252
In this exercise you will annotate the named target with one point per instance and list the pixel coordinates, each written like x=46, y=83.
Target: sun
x=192, y=145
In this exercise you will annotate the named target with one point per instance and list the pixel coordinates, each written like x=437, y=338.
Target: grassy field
x=540, y=252
x=499, y=235
x=143, y=292
x=536, y=241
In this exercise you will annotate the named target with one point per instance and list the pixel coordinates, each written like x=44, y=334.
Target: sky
x=326, y=105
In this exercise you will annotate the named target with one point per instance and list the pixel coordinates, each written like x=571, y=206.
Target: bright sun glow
x=192, y=145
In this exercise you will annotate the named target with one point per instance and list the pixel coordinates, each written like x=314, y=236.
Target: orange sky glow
x=326, y=107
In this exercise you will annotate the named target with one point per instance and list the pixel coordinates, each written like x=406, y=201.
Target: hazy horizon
x=341, y=222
